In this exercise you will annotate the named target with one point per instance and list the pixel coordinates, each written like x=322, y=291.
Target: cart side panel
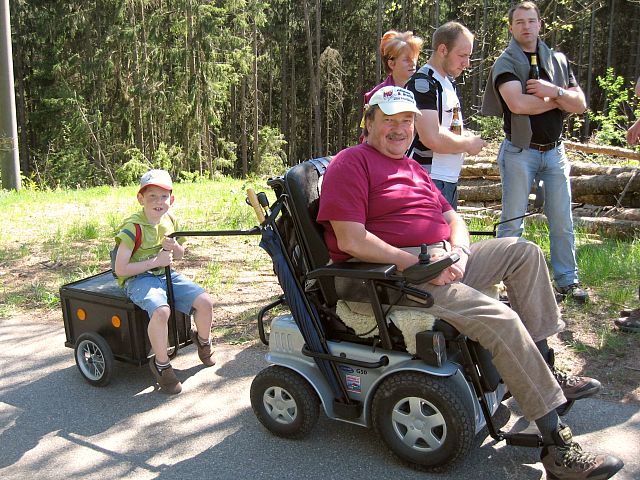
x=107, y=311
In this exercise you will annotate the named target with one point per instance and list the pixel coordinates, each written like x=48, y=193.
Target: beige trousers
x=508, y=333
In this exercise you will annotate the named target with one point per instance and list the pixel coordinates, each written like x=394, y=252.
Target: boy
x=142, y=275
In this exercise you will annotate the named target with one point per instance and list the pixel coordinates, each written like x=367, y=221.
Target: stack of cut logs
x=609, y=195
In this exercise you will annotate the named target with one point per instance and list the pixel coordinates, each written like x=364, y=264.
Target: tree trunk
x=256, y=140
x=603, y=149
x=605, y=184
x=379, y=68
x=21, y=117
x=612, y=26
x=587, y=131
x=137, y=107
x=293, y=144
x=314, y=95
x=243, y=128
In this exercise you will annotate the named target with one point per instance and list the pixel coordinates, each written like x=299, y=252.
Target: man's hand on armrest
x=420, y=273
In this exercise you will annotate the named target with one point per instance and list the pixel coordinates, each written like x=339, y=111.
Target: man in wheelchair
x=377, y=205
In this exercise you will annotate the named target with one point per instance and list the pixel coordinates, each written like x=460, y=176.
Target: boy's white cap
x=392, y=100
x=158, y=178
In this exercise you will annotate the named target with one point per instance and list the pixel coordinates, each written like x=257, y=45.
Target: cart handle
x=255, y=203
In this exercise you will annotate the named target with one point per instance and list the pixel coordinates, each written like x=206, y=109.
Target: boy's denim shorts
x=149, y=291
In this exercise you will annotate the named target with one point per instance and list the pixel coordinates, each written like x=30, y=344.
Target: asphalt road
x=53, y=425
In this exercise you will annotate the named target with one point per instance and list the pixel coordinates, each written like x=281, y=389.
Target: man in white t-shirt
x=439, y=150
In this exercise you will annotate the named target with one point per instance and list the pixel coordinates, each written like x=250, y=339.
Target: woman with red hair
x=399, y=52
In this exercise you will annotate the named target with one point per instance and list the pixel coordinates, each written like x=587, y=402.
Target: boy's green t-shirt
x=152, y=237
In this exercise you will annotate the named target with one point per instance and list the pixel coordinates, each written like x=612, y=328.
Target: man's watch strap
x=464, y=248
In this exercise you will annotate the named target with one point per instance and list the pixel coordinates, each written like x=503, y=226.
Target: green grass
x=210, y=279
x=65, y=235
x=610, y=266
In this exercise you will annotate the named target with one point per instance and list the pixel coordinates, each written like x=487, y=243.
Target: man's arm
x=441, y=140
x=459, y=238
x=355, y=240
x=573, y=100
x=523, y=103
x=459, y=231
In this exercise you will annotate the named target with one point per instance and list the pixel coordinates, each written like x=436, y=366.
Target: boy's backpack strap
x=136, y=237
x=138, y=240
x=131, y=235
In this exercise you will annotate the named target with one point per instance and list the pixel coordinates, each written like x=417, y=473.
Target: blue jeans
x=519, y=168
x=449, y=192
x=149, y=291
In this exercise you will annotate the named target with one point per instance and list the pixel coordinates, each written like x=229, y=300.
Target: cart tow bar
x=172, y=314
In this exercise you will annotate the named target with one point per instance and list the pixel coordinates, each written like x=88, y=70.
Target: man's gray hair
x=369, y=113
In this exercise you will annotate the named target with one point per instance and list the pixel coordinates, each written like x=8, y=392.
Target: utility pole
x=9, y=161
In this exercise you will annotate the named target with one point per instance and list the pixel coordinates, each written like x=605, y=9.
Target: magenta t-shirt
x=393, y=198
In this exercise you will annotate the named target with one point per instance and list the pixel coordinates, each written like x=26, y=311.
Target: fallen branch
x=604, y=150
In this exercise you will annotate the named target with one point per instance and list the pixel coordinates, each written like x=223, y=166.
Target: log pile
x=610, y=195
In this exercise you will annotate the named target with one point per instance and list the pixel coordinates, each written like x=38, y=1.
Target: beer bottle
x=456, y=124
x=534, y=71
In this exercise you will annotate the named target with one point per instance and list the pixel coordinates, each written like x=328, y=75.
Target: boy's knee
x=161, y=313
x=203, y=302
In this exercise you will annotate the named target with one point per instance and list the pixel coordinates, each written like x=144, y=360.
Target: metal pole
x=9, y=161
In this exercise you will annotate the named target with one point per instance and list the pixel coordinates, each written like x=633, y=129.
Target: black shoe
x=567, y=461
x=573, y=292
x=575, y=387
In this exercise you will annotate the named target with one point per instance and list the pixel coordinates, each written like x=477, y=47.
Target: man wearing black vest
x=533, y=113
x=436, y=147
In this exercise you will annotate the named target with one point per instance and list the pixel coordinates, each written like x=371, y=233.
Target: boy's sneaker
x=205, y=352
x=166, y=378
x=573, y=292
x=575, y=387
x=567, y=461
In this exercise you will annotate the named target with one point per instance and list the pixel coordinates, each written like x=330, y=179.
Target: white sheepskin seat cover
x=359, y=316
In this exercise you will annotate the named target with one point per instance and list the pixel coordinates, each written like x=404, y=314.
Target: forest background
x=107, y=88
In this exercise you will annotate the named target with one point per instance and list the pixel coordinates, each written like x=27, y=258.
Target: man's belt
x=542, y=147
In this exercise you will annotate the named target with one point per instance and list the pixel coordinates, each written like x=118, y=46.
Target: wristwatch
x=560, y=92
x=464, y=248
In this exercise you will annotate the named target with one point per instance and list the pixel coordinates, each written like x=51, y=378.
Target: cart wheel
x=423, y=420
x=94, y=359
x=284, y=402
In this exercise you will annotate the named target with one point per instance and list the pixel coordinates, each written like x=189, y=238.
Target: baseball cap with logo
x=158, y=178
x=392, y=100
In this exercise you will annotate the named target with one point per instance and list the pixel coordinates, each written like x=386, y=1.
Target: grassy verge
x=48, y=238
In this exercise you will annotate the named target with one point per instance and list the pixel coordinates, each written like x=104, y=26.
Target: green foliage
x=273, y=159
x=174, y=80
x=490, y=127
x=168, y=158
x=129, y=173
x=612, y=120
